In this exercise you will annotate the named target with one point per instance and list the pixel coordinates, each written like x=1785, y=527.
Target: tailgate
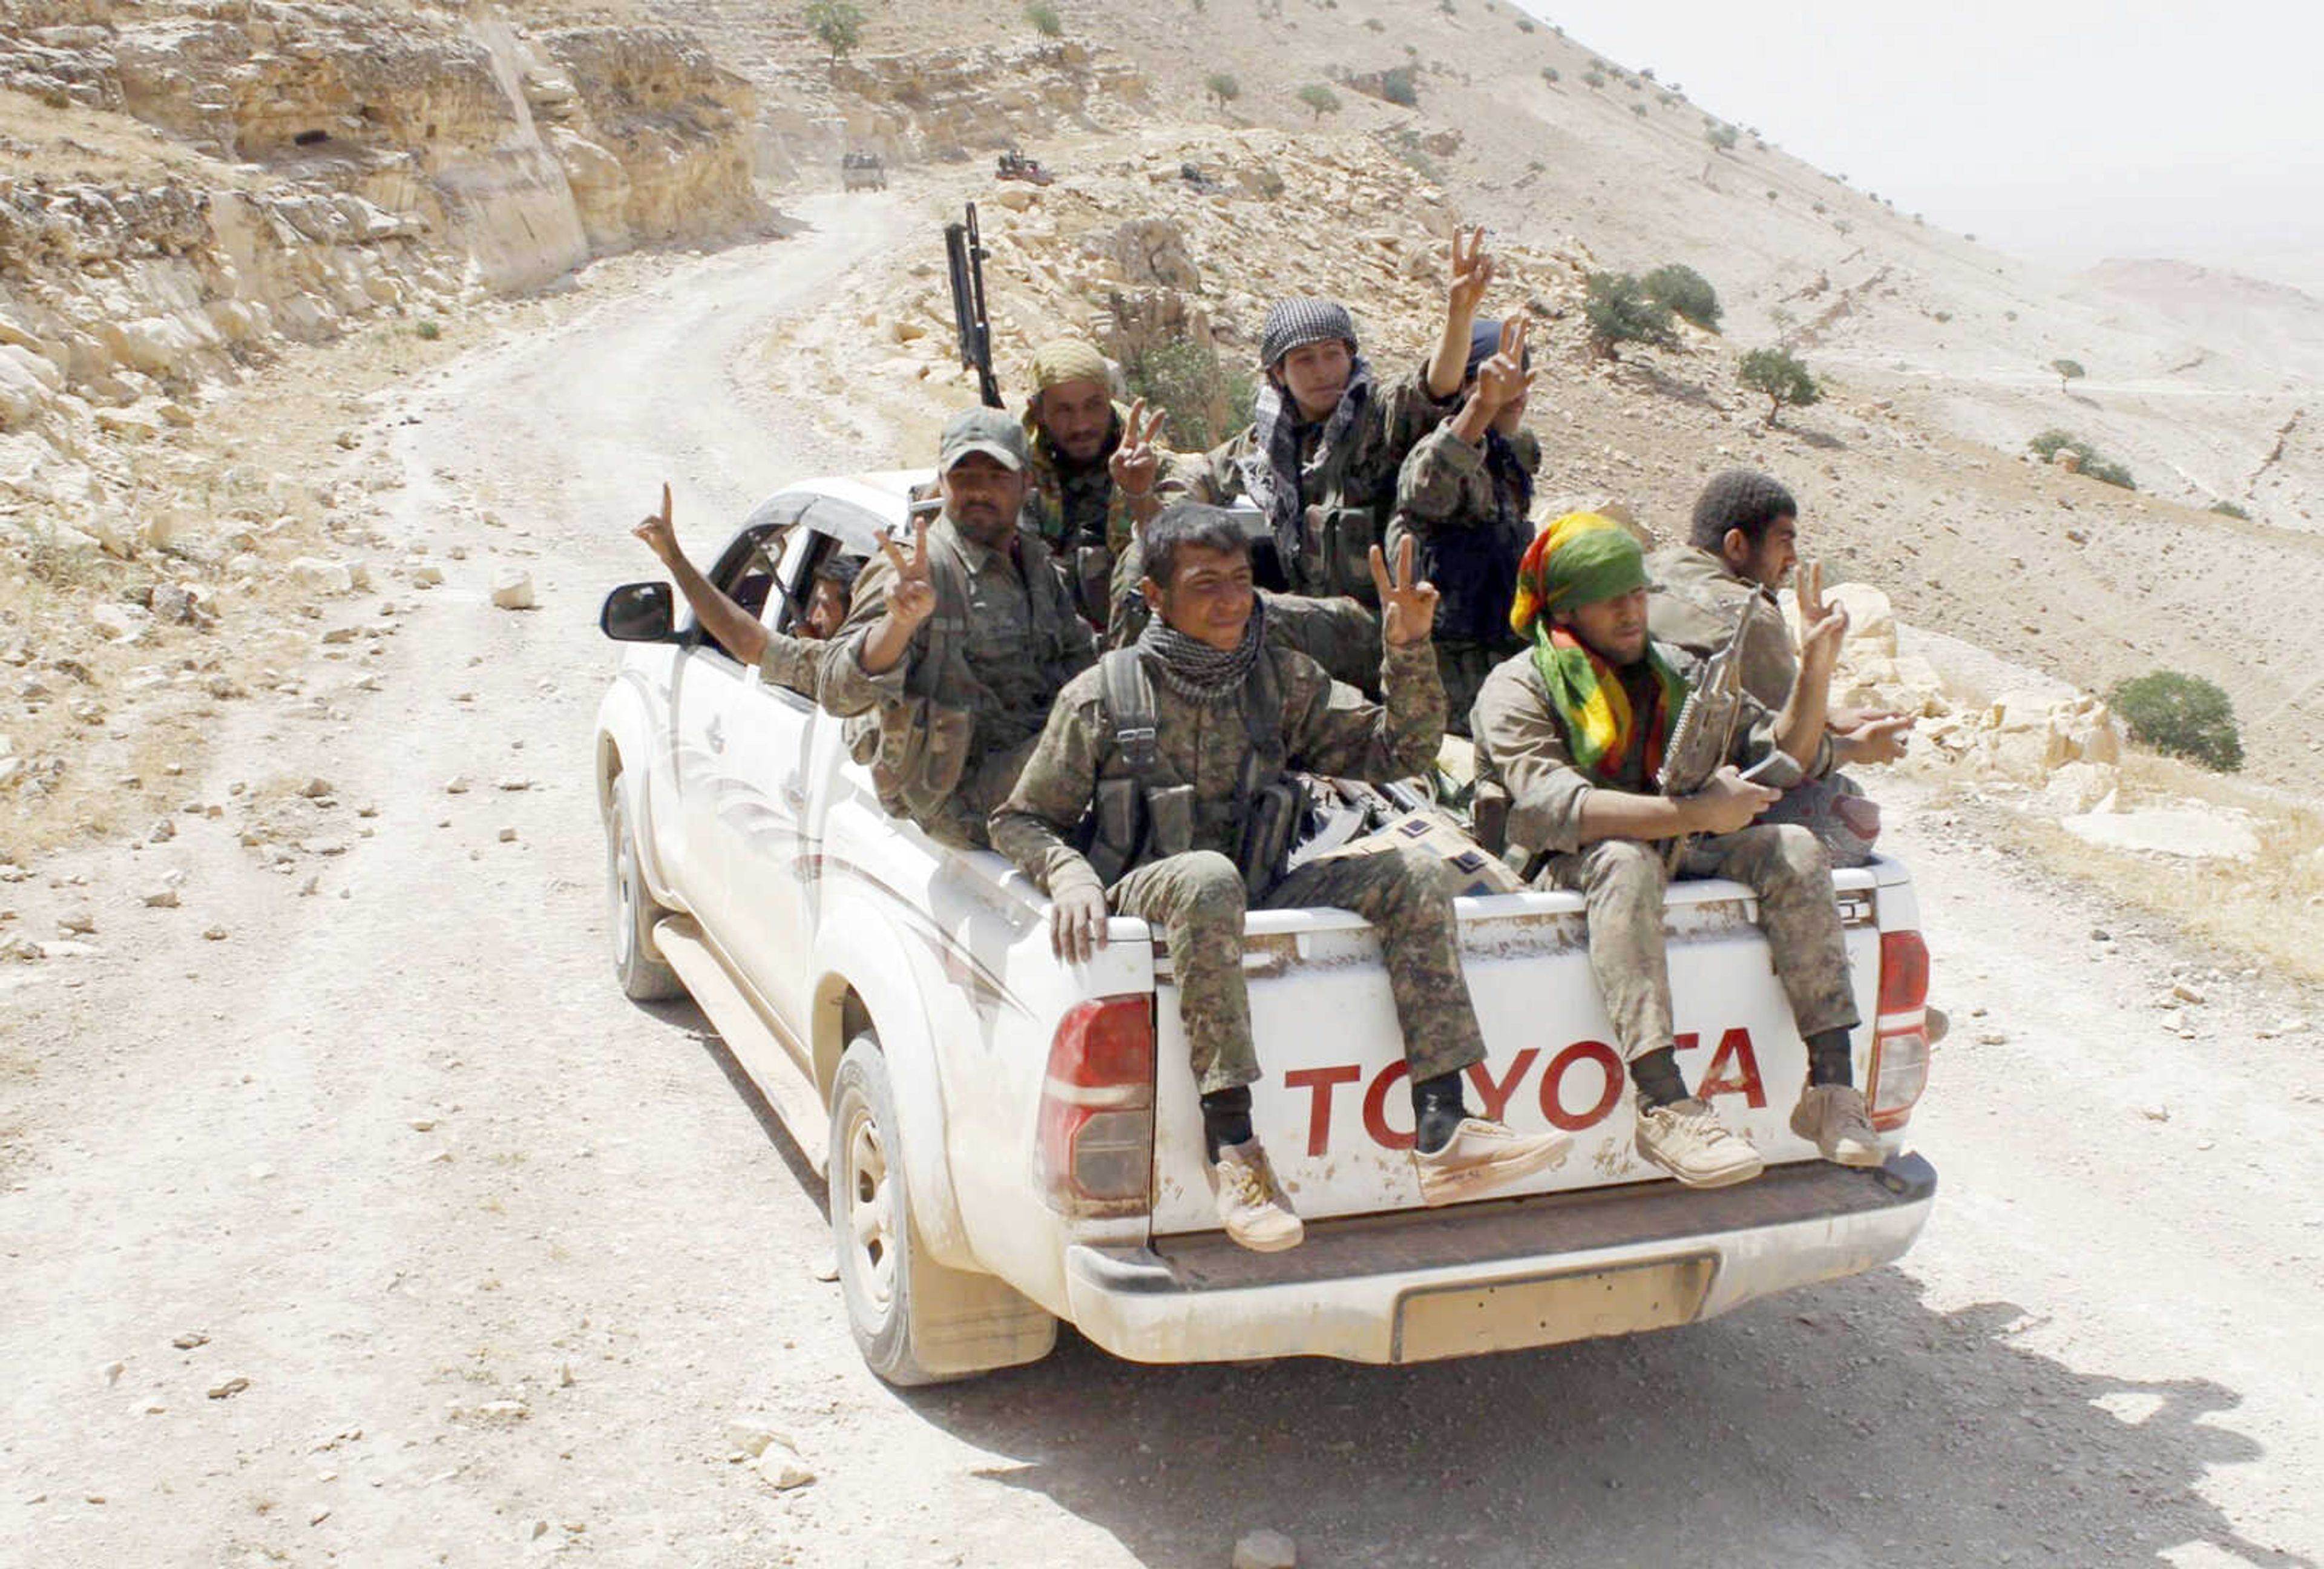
x=1335, y=1110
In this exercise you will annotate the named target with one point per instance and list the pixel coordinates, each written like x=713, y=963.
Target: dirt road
x=500, y=1256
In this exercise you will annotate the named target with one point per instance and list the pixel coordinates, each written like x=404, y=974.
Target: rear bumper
x=1498, y=1275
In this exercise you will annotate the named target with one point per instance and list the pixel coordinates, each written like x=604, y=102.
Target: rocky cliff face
x=334, y=162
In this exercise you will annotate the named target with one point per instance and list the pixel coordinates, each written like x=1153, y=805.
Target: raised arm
x=1471, y=275
x=737, y=630
x=1337, y=732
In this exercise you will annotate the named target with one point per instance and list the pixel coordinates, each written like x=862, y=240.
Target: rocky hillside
x=190, y=194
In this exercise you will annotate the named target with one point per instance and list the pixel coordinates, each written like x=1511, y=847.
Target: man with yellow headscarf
x=1094, y=467
x=1573, y=731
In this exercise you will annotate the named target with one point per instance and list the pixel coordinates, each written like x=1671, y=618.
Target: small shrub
x=2230, y=510
x=1639, y=110
x=1524, y=24
x=2068, y=370
x=1941, y=316
x=1771, y=196
x=1375, y=24
x=1221, y=87
x=1779, y=374
x=1320, y=98
x=1617, y=309
x=2180, y=715
x=429, y=329
x=1401, y=85
x=1686, y=293
x=1593, y=78
x=1668, y=100
x=1721, y=137
x=2088, y=459
x=837, y=26
x=1407, y=147
x=1647, y=72
x=1044, y=19
x=1549, y=74
x=1205, y=402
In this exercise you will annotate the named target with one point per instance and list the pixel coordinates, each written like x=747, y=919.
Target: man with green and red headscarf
x=1572, y=731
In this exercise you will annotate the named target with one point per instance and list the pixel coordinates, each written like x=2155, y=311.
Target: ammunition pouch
x=919, y=751
x=1270, y=828
x=1338, y=557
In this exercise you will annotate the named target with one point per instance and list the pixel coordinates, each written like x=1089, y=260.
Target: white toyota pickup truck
x=1011, y=1139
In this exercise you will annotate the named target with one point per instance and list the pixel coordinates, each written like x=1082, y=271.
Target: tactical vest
x=918, y=746
x=1151, y=813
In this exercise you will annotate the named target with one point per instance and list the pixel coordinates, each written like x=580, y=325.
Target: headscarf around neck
x=1193, y=667
x=1579, y=559
x=1271, y=470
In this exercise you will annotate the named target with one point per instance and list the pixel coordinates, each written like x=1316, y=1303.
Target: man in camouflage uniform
x=952, y=655
x=1321, y=455
x=1573, y=731
x=1092, y=473
x=792, y=661
x=1742, y=543
x=1230, y=712
x=1466, y=495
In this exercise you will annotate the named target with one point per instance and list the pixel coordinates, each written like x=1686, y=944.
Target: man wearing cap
x=1466, y=495
x=1742, y=542
x=1321, y=455
x=1172, y=798
x=1094, y=465
x=1573, y=731
x=951, y=654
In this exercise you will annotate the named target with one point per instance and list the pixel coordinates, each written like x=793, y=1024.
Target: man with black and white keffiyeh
x=1321, y=455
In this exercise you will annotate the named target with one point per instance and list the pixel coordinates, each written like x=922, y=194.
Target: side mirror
x=638, y=613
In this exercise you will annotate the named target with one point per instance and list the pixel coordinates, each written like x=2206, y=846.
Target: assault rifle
x=1703, y=737
x=965, y=255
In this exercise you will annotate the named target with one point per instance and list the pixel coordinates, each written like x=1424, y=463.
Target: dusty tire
x=872, y=1233
x=631, y=911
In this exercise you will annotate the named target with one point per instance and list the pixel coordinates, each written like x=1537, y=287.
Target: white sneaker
x=1481, y=1156
x=1687, y=1140
x=1833, y=1118
x=1252, y=1204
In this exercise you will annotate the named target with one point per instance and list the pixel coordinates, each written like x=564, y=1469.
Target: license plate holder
x=1450, y=1320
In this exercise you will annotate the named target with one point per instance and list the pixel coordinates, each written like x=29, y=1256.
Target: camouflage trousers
x=1623, y=882
x=1197, y=901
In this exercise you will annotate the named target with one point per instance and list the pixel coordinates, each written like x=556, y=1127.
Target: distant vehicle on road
x=1014, y=165
x=1010, y=1138
x=862, y=171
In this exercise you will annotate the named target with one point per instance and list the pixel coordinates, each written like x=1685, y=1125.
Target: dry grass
x=2270, y=909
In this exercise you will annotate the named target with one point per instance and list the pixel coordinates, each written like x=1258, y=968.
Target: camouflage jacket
x=1522, y=748
x=1081, y=516
x=1696, y=603
x=1326, y=728
x=792, y=662
x=1359, y=484
x=979, y=675
x=1465, y=508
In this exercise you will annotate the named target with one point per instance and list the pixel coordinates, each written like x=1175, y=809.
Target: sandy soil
x=500, y=1256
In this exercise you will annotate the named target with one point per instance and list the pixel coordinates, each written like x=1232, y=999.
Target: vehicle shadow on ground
x=1847, y=1425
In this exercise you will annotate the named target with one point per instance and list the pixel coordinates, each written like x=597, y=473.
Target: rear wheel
x=631, y=911
x=872, y=1215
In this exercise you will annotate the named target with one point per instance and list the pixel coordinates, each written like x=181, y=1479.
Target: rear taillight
x=1096, y=1135
x=1900, y=1037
